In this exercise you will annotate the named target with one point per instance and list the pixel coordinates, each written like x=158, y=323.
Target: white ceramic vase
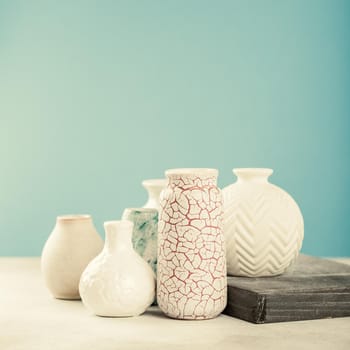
x=191, y=281
x=263, y=225
x=153, y=187
x=118, y=282
x=73, y=243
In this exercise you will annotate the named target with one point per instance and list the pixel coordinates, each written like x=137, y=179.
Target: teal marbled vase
x=145, y=232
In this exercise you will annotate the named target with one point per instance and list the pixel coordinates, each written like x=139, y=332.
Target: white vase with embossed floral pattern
x=191, y=281
x=118, y=282
x=263, y=225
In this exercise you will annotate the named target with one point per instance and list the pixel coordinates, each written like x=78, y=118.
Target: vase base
x=255, y=276
x=67, y=297
x=193, y=318
x=116, y=316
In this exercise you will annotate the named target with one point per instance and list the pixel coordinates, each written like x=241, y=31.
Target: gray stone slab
x=313, y=288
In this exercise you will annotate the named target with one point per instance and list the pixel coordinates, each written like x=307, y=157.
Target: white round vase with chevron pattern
x=263, y=225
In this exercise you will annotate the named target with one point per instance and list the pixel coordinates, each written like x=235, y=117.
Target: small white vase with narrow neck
x=153, y=187
x=263, y=225
x=73, y=243
x=118, y=282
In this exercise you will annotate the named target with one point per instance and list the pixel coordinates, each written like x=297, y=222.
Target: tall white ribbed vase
x=263, y=225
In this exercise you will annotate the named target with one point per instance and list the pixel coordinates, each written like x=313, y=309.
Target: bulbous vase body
x=73, y=243
x=263, y=225
x=153, y=187
x=118, y=282
x=191, y=281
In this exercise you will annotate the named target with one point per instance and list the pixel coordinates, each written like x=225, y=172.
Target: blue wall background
x=96, y=96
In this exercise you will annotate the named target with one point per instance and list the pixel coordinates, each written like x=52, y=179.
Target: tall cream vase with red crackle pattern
x=191, y=281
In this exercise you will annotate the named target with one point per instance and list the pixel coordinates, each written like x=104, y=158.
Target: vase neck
x=192, y=177
x=258, y=175
x=153, y=188
x=154, y=192
x=118, y=235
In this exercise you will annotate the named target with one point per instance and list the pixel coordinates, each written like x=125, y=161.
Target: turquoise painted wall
x=96, y=96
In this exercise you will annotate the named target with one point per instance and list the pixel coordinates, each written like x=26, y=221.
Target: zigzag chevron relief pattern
x=263, y=227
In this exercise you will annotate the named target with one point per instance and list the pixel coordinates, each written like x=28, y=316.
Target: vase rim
x=154, y=182
x=264, y=172
x=192, y=171
x=142, y=210
x=127, y=224
x=71, y=217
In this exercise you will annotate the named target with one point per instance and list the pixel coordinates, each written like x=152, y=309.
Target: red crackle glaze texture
x=191, y=281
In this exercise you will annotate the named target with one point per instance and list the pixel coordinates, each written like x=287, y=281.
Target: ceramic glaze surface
x=145, y=232
x=263, y=225
x=153, y=187
x=118, y=282
x=191, y=280
x=73, y=243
